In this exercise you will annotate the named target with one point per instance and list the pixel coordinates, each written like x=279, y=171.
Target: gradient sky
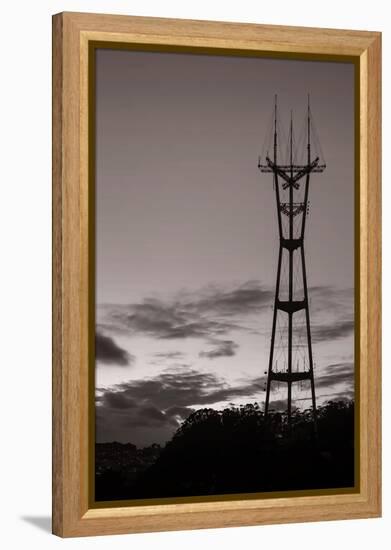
x=187, y=236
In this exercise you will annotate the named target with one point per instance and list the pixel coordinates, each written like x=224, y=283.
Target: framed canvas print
x=216, y=294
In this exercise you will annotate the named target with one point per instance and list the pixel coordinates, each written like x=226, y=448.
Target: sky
x=187, y=235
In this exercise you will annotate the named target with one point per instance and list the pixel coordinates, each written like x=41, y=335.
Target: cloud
x=332, y=313
x=117, y=400
x=215, y=311
x=221, y=348
x=337, y=373
x=169, y=355
x=108, y=352
x=151, y=409
x=160, y=404
x=185, y=388
x=332, y=331
x=325, y=299
x=329, y=330
x=209, y=312
x=244, y=299
x=163, y=321
x=171, y=358
x=166, y=320
x=347, y=395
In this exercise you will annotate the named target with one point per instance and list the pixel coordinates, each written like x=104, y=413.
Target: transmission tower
x=291, y=316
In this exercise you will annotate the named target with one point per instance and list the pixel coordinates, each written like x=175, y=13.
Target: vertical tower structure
x=291, y=358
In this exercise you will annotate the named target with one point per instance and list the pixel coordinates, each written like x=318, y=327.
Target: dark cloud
x=152, y=413
x=212, y=311
x=244, y=299
x=221, y=348
x=117, y=400
x=337, y=373
x=186, y=388
x=332, y=330
x=108, y=352
x=150, y=410
x=163, y=321
x=161, y=403
x=167, y=320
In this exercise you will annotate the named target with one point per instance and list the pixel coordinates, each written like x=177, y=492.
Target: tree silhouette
x=236, y=450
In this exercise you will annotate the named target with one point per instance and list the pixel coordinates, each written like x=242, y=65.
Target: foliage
x=236, y=450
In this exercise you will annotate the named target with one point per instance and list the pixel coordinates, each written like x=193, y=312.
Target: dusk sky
x=187, y=235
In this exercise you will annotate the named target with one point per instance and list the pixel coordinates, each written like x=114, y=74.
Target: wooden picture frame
x=73, y=34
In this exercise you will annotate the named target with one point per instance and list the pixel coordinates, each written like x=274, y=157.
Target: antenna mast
x=291, y=214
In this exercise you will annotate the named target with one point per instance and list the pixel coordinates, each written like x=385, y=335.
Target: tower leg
x=268, y=384
x=309, y=343
x=289, y=405
x=290, y=319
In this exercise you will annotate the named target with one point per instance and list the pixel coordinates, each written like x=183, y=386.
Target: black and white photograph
x=224, y=275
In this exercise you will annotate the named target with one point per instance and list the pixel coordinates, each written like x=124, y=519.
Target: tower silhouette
x=292, y=163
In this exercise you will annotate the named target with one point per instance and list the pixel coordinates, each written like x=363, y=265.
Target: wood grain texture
x=57, y=274
x=230, y=35
x=72, y=32
x=372, y=260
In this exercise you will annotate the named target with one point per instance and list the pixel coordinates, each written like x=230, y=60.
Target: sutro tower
x=292, y=163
